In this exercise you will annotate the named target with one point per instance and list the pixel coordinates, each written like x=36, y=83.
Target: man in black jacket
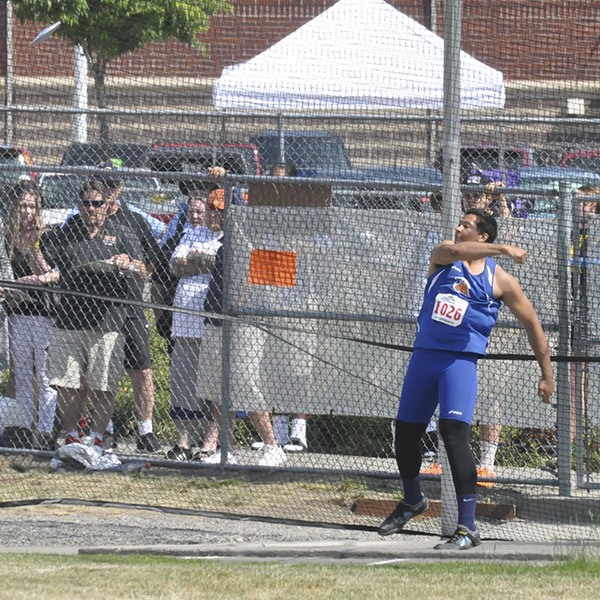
x=95, y=257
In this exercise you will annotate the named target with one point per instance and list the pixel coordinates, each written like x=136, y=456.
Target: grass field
x=49, y=577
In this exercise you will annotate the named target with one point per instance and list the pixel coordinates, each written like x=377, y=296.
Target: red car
x=587, y=160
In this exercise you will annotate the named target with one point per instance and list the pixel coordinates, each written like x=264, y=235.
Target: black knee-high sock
x=408, y=458
x=464, y=470
x=407, y=445
x=460, y=456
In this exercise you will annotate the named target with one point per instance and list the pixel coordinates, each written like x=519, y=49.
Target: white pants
x=28, y=341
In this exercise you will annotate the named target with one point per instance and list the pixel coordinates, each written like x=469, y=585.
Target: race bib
x=449, y=309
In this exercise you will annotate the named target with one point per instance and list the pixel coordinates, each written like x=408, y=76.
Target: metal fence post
x=451, y=194
x=226, y=424
x=565, y=237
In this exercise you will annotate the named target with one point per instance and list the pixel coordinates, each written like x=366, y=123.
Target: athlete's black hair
x=485, y=223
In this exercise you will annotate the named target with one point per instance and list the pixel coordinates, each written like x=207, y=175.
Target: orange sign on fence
x=273, y=267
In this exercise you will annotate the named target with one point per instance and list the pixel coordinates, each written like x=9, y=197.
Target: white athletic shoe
x=215, y=459
x=295, y=445
x=271, y=456
x=257, y=445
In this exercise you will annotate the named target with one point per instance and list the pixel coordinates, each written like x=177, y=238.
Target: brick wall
x=534, y=39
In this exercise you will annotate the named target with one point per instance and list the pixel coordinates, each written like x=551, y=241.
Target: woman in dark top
x=29, y=318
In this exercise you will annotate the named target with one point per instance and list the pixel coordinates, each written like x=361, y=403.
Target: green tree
x=107, y=29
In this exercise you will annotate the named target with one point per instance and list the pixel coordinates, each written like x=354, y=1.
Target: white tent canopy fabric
x=359, y=55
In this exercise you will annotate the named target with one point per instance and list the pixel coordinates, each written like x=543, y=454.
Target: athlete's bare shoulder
x=505, y=284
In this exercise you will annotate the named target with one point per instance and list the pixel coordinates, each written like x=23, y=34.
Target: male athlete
x=464, y=291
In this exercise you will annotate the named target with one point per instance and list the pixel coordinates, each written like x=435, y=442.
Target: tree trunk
x=98, y=66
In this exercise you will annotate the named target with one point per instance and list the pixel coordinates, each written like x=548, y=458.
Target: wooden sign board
x=308, y=195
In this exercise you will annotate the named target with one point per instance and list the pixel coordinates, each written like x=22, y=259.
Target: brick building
x=532, y=40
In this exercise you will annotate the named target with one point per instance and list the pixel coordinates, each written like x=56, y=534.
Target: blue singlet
x=458, y=313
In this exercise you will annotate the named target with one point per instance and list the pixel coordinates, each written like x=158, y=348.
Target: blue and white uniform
x=459, y=309
x=457, y=316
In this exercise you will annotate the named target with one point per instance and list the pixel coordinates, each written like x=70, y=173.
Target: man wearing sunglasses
x=96, y=258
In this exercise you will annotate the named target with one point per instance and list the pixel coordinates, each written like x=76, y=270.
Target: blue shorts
x=437, y=377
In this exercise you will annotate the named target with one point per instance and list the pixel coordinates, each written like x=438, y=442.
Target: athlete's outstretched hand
x=545, y=390
x=519, y=255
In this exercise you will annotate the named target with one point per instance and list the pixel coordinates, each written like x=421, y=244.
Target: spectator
x=192, y=263
x=252, y=343
x=165, y=281
x=29, y=319
x=294, y=439
x=209, y=377
x=136, y=329
x=496, y=204
x=6, y=274
x=587, y=211
x=253, y=340
x=157, y=226
x=494, y=198
x=188, y=185
x=95, y=257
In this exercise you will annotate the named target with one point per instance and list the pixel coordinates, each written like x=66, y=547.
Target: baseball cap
x=112, y=164
x=216, y=199
x=478, y=179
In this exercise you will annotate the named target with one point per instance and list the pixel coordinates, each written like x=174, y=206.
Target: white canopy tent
x=358, y=55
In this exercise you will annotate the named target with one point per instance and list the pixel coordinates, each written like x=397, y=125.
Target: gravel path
x=48, y=525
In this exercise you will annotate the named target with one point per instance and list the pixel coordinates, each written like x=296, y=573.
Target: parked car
x=549, y=178
x=588, y=160
x=195, y=157
x=15, y=155
x=366, y=196
x=93, y=154
x=306, y=150
x=495, y=162
x=319, y=154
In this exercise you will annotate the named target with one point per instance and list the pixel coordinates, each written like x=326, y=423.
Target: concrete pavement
x=377, y=551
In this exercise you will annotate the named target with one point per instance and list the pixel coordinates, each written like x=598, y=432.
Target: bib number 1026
x=449, y=309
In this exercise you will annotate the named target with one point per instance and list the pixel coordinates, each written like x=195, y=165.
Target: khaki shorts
x=210, y=368
x=184, y=367
x=79, y=355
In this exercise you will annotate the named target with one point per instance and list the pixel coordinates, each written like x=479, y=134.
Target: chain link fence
x=235, y=341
